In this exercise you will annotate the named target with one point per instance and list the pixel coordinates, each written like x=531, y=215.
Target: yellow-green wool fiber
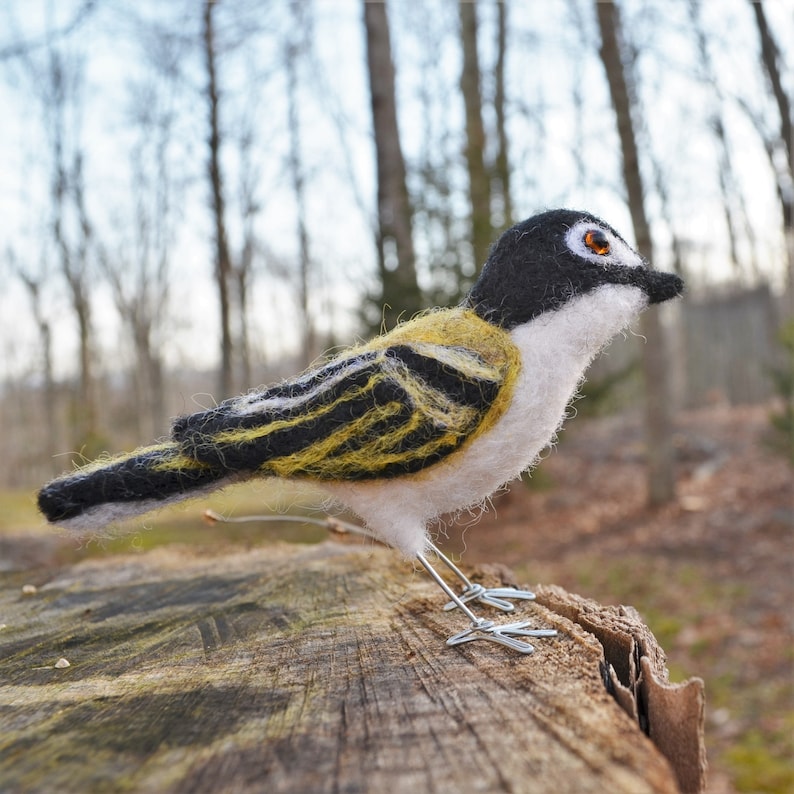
x=388, y=408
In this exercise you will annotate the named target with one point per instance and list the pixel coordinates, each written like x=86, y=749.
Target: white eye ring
x=619, y=252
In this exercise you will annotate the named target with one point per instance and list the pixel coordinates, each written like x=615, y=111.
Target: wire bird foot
x=480, y=628
x=491, y=596
x=504, y=635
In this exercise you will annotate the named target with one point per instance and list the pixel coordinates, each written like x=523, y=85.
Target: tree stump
x=297, y=668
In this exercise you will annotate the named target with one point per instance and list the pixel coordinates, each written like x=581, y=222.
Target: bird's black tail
x=117, y=488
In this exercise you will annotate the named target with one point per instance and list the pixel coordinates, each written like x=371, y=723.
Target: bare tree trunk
x=148, y=383
x=243, y=273
x=250, y=178
x=33, y=285
x=50, y=396
x=138, y=273
x=732, y=197
x=479, y=180
x=308, y=342
x=81, y=289
x=223, y=265
x=400, y=293
x=579, y=89
x=502, y=163
x=56, y=81
x=770, y=57
x=67, y=190
x=140, y=305
x=658, y=421
x=159, y=283
x=156, y=384
x=436, y=214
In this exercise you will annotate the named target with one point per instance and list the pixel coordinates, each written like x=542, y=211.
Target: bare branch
x=49, y=38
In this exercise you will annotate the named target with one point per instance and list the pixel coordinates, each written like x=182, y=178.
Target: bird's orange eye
x=597, y=242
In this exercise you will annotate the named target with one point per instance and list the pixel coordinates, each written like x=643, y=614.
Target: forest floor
x=711, y=573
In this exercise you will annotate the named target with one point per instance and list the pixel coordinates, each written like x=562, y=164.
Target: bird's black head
x=542, y=263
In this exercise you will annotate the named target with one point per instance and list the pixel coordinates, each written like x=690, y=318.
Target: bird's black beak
x=660, y=287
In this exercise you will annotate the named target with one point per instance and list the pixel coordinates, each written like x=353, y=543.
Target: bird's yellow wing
x=392, y=407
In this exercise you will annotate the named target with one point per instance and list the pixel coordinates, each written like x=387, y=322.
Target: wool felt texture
x=555, y=351
x=430, y=418
x=111, y=488
x=392, y=407
x=509, y=294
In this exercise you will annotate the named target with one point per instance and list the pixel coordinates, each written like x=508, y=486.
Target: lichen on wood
x=297, y=668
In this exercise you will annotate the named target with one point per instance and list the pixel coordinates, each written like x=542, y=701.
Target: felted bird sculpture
x=428, y=419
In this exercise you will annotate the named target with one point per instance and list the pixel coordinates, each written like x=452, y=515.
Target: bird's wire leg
x=492, y=596
x=482, y=629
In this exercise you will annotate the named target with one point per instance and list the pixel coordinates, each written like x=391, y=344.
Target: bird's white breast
x=556, y=348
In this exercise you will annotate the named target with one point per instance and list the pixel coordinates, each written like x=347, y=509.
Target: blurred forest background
x=198, y=198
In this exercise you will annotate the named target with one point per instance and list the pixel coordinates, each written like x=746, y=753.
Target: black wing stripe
x=245, y=443
x=459, y=387
x=158, y=473
x=389, y=413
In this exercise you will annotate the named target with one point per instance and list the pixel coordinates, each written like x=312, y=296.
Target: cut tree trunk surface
x=323, y=668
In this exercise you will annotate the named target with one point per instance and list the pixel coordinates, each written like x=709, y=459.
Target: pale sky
x=550, y=58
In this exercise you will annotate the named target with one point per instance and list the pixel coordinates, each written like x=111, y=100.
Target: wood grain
x=296, y=668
